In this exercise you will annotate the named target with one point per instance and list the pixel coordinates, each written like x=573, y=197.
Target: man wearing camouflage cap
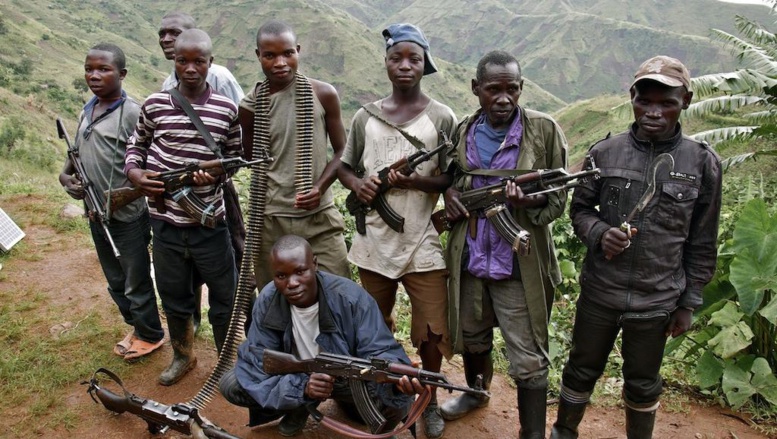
x=642, y=274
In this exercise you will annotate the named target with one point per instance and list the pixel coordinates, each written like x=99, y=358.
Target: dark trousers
x=642, y=349
x=129, y=277
x=178, y=251
x=233, y=392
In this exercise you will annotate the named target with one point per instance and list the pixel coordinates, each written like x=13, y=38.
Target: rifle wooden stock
x=281, y=363
x=159, y=417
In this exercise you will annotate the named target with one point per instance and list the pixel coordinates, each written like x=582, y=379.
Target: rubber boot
x=569, y=417
x=639, y=422
x=220, y=336
x=182, y=340
x=475, y=366
x=293, y=422
x=197, y=308
x=532, y=407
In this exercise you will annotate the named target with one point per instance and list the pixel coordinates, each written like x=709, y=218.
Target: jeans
x=177, y=252
x=129, y=277
x=593, y=337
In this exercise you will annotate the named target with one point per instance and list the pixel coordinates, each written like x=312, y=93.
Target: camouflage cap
x=664, y=69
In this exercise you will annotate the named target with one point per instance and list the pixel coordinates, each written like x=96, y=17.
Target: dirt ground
x=51, y=271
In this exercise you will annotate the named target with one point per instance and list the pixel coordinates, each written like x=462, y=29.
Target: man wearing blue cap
x=382, y=133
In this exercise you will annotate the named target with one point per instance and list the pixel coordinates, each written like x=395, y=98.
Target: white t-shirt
x=304, y=326
x=373, y=145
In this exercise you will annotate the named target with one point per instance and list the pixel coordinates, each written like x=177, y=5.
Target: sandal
x=123, y=346
x=142, y=348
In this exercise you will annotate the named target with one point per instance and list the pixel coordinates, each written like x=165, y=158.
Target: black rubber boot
x=475, y=365
x=532, y=406
x=220, y=336
x=197, y=308
x=639, y=424
x=569, y=417
x=182, y=340
x=293, y=422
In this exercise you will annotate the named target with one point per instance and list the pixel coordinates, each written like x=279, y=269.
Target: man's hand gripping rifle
x=357, y=371
x=178, y=182
x=160, y=418
x=405, y=166
x=94, y=205
x=491, y=201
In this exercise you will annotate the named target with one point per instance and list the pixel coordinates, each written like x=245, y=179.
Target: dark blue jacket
x=350, y=324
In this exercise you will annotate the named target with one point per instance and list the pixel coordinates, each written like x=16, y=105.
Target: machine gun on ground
x=159, y=417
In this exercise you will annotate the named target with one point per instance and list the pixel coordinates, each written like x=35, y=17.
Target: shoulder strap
x=195, y=118
x=374, y=111
x=416, y=410
x=496, y=172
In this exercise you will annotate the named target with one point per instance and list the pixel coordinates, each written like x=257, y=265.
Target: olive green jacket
x=543, y=146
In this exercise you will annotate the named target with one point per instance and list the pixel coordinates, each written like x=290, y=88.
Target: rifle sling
x=195, y=118
x=374, y=111
x=498, y=172
x=416, y=410
x=114, y=377
x=179, y=99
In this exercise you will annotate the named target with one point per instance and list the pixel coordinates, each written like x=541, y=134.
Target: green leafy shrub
x=733, y=343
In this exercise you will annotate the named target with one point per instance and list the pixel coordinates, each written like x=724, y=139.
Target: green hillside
x=565, y=49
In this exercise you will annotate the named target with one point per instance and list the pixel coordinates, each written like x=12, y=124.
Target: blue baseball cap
x=401, y=32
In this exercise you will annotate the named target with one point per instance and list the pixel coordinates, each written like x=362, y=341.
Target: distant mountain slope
x=566, y=48
x=578, y=49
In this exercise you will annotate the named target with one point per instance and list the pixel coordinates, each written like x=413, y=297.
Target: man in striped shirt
x=165, y=139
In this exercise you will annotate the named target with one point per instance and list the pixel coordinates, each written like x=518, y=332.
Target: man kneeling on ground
x=304, y=312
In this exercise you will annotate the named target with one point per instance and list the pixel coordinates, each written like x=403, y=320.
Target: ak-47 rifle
x=357, y=371
x=159, y=417
x=405, y=166
x=94, y=206
x=491, y=201
x=178, y=181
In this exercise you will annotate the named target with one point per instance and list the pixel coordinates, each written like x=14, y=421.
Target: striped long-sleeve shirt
x=166, y=139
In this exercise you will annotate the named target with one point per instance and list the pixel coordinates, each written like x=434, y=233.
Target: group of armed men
x=643, y=280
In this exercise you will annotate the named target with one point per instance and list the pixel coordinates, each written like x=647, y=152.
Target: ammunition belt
x=255, y=225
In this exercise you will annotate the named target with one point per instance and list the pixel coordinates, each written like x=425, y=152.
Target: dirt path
x=49, y=271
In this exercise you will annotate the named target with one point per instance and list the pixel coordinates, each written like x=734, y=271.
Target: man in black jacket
x=644, y=277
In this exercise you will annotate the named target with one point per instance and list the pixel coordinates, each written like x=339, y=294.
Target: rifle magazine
x=388, y=214
x=195, y=207
x=508, y=229
x=369, y=413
